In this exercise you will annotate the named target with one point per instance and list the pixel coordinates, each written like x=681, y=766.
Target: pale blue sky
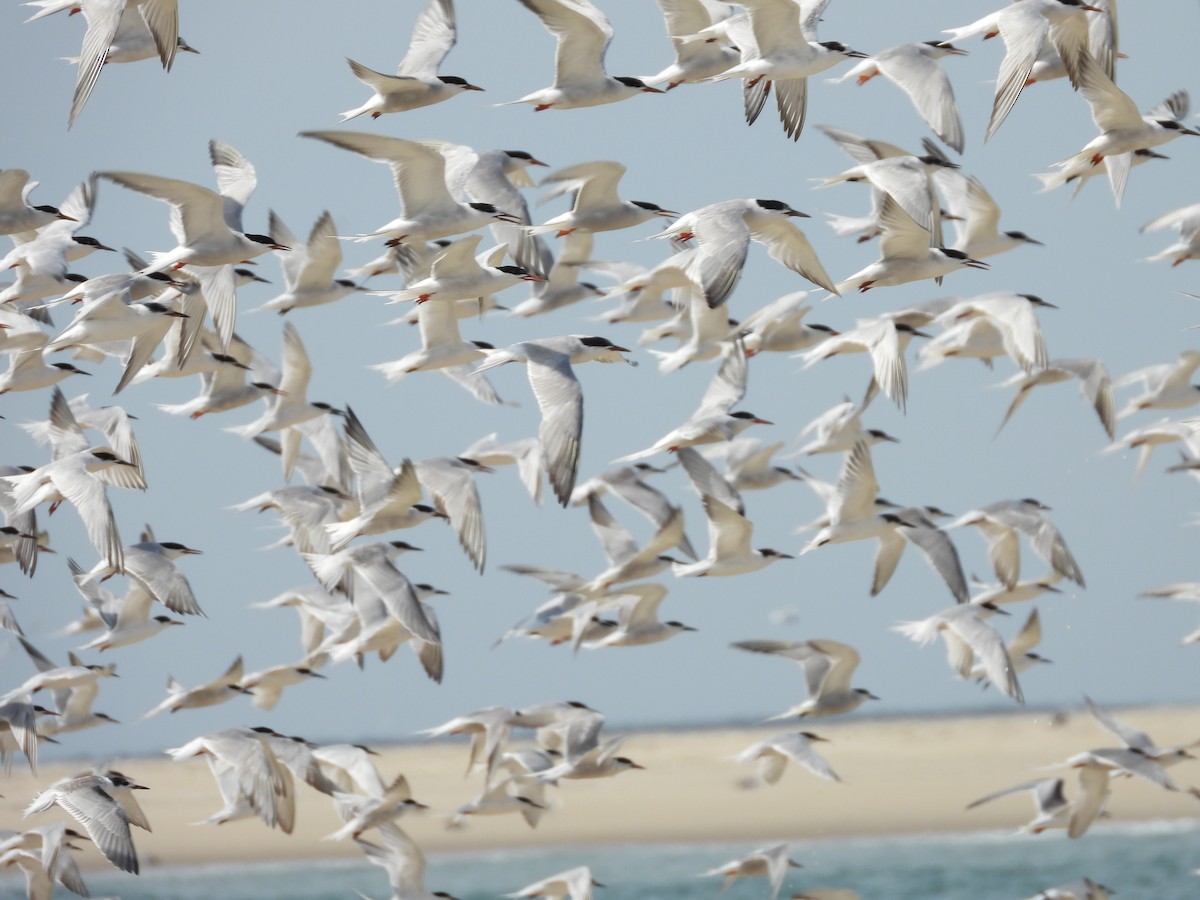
x=270, y=69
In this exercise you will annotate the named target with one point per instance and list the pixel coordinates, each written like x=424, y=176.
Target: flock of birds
x=342, y=499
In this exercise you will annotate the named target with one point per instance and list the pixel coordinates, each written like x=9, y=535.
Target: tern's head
x=496, y=213
x=947, y=48
x=1037, y=658
x=524, y=158
x=938, y=162
x=964, y=259
x=882, y=435
x=908, y=329
x=1036, y=504
x=248, y=276
x=750, y=418
x=840, y=49
x=1035, y=300
x=103, y=458
x=814, y=737
x=174, y=549
x=655, y=209
x=266, y=240
x=768, y=553
x=401, y=547
x=67, y=367
x=86, y=241
x=121, y=781
x=816, y=326
x=624, y=762
x=1077, y=5
x=520, y=272
x=461, y=83
x=55, y=211
x=679, y=626
x=778, y=206
x=637, y=84
x=332, y=410
x=1022, y=237
x=865, y=694
x=181, y=44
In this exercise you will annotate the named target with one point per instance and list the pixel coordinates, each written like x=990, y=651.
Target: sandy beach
x=899, y=776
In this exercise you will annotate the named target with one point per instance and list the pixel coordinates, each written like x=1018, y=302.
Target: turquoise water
x=1153, y=860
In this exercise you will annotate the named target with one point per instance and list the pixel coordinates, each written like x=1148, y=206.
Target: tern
x=905, y=254
x=779, y=50
x=90, y=800
x=1123, y=129
x=1025, y=26
x=1094, y=383
x=220, y=690
x=968, y=636
x=695, y=61
x=712, y=422
x=308, y=270
x=770, y=862
x=914, y=69
x=583, y=34
x=1186, y=220
x=1000, y=523
x=1189, y=591
x=596, y=205
x=416, y=82
x=723, y=232
x=428, y=181
x=575, y=884
x=559, y=396
x=404, y=862
x=828, y=667
x=16, y=214
x=885, y=340
x=1052, y=807
x=774, y=753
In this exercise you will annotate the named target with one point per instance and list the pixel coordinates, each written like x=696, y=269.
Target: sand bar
x=900, y=776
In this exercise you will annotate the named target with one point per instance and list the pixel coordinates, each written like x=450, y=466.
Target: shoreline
x=902, y=776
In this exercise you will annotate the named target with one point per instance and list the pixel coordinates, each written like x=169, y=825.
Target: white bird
x=575, y=884
x=1025, y=26
x=596, y=205
x=712, y=422
x=695, y=61
x=1076, y=890
x=89, y=800
x=976, y=217
x=851, y=507
x=429, y=177
x=723, y=232
x=779, y=50
x=913, y=525
x=1167, y=386
x=1094, y=383
x=729, y=531
x=291, y=406
x=770, y=862
x=364, y=812
x=914, y=69
x=885, y=340
x=416, y=82
x=637, y=619
x=1019, y=649
x=220, y=690
x=208, y=227
x=1123, y=129
x=1186, y=220
x=309, y=269
x=127, y=619
x=48, y=249
x=905, y=254
x=1015, y=317
x=838, y=429
x=828, y=667
x=778, y=327
x=404, y=862
x=1051, y=805
x=748, y=465
x=16, y=213
x=250, y=777
x=1189, y=591
x=266, y=687
x=774, y=753
x=559, y=396
x=968, y=636
x=105, y=19
x=583, y=34
x=1000, y=523
x=456, y=274
x=78, y=479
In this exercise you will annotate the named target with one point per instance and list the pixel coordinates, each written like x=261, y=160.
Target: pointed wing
x=433, y=35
